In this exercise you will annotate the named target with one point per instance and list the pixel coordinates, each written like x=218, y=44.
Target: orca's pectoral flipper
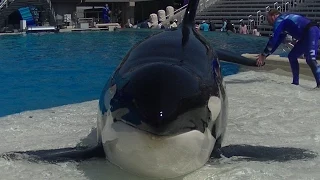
x=57, y=155
x=264, y=153
x=232, y=57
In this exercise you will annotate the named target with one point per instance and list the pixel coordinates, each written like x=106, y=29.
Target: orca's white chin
x=152, y=156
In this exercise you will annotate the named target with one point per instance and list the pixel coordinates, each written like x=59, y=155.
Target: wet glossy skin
x=164, y=84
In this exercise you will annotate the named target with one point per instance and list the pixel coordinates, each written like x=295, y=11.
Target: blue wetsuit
x=105, y=13
x=307, y=34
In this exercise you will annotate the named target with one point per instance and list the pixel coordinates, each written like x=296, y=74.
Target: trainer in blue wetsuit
x=105, y=12
x=305, y=31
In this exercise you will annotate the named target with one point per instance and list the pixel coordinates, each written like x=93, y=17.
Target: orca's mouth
x=163, y=100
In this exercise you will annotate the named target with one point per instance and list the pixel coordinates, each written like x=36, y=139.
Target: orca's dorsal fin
x=190, y=14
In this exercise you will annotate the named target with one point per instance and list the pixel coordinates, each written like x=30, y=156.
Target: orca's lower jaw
x=164, y=100
x=151, y=156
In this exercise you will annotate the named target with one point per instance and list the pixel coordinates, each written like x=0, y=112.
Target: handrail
x=2, y=3
x=203, y=4
x=275, y=5
x=267, y=8
x=178, y=14
x=178, y=10
x=251, y=22
x=52, y=10
x=258, y=14
x=287, y=4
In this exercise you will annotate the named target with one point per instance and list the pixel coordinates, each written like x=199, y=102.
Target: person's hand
x=260, y=60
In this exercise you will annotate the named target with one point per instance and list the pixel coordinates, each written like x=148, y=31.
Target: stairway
x=251, y=12
x=309, y=8
x=9, y=6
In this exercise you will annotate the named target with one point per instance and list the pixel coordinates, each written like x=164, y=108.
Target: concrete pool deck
x=60, y=31
x=280, y=65
x=8, y=34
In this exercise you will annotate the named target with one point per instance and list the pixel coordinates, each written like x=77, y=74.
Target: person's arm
x=276, y=39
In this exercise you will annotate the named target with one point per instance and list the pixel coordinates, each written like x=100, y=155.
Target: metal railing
x=179, y=13
x=178, y=10
x=203, y=4
x=90, y=21
x=53, y=13
x=285, y=6
x=3, y=3
x=258, y=15
x=250, y=22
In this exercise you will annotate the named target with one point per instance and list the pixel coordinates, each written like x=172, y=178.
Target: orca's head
x=162, y=99
x=157, y=120
x=161, y=109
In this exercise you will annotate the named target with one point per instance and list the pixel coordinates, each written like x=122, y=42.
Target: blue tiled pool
x=42, y=71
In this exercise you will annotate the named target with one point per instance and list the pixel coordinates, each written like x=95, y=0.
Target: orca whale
x=164, y=109
x=163, y=112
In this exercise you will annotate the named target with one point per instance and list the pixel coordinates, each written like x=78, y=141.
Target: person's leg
x=311, y=51
x=296, y=52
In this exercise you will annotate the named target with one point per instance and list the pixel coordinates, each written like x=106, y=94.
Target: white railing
x=203, y=4
x=178, y=10
x=179, y=13
x=258, y=15
x=52, y=10
x=3, y=3
x=267, y=8
x=285, y=6
x=291, y=3
x=261, y=19
x=251, y=23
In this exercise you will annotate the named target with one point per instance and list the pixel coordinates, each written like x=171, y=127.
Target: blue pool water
x=42, y=71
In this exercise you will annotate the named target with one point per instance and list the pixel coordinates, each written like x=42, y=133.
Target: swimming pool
x=47, y=70
x=271, y=132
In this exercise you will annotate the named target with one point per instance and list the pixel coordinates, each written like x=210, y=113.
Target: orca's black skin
x=232, y=57
x=165, y=82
